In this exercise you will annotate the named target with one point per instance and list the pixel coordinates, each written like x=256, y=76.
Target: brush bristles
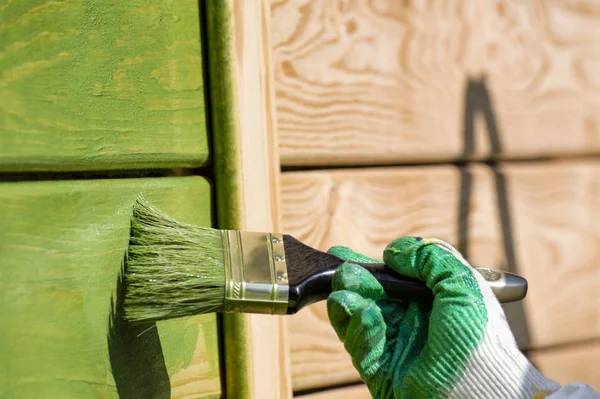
x=173, y=269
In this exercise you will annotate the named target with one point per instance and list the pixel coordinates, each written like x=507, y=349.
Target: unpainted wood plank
x=247, y=168
x=354, y=392
x=555, y=212
x=360, y=82
x=260, y=178
x=566, y=365
x=364, y=209
x=571, y=363
x=555, y=216
x=61, y=332
x=574, y=363
x=101, y=85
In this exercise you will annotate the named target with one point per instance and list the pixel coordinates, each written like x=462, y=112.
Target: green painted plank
x=62, y=244
x=99, y=85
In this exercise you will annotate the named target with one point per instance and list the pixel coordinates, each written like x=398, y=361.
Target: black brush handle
x=310, y=273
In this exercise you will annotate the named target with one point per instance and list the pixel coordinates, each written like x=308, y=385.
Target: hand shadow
x=136, y=358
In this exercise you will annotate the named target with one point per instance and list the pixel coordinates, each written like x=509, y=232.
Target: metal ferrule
x=256, y=278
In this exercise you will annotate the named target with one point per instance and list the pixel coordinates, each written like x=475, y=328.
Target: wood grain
x=555, y=213
x=571, y=363
x=101, y=85
x=555, y=210
x=382, y=82
x=247, y=168
x=566, y=365
x=260, y=174
x=61, y=335
x=354, y=392
x=364, y=209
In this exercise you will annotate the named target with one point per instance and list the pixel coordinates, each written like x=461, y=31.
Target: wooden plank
x=261, y=170
x=354, y=392
x=566, y=365
x=364, y=209
x=247, y=167
x=384, y=82
x=555, y=215
x=61, y=335
x=571, y=363
x=555, y=212
x=96, y=85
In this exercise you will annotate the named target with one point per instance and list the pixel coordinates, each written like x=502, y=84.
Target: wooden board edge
x=218, y=38
x=247, y=180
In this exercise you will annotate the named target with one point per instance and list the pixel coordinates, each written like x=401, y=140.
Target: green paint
x=218, y=17
x=62, y=246
x=226, y=149
x=182, y=336
x=98, y=84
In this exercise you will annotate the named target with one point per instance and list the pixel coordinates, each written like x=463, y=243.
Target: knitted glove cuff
x=497, y=372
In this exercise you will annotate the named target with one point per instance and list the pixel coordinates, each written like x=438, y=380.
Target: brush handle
x=311, y=271
x=317, y=286
x=397, y=286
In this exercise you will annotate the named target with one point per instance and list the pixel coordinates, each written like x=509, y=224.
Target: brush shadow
x=136, y=357
x=478, y=100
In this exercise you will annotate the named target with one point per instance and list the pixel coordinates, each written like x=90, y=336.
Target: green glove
x=460, y=346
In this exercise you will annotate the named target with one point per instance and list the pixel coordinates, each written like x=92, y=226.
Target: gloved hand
x=460, y=346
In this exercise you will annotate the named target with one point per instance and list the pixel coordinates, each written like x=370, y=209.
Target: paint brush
x=175, y=269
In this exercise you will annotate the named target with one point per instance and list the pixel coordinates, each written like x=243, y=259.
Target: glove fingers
x=410, y=344
x=341, y=305
x=393, y=313
x=359, y=324
x=493, y=307
x=441, y=267
x=412, y=334
x=355, y=278
x=365, y=340
x=349, y=255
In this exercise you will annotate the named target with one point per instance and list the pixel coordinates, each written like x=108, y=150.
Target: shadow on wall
x=478, y=100
x=136, y=357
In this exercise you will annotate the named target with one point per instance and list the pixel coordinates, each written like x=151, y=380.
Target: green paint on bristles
x=172, y=269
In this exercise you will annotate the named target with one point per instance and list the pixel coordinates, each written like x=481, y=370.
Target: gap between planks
x=359, y=391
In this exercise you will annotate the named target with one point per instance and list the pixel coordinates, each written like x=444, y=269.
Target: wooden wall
x=474, y=122
x=555, y=210
x=384, y=81
x=93, y=86
x=62, y=332
x=100, y=102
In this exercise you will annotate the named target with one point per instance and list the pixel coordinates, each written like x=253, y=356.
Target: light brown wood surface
x=360, y=82
x=247, y=164
x=554, y=209
x=354, y=392
x=260, y=179
x=566, y=365
x=364, y=209
x=572, y=363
